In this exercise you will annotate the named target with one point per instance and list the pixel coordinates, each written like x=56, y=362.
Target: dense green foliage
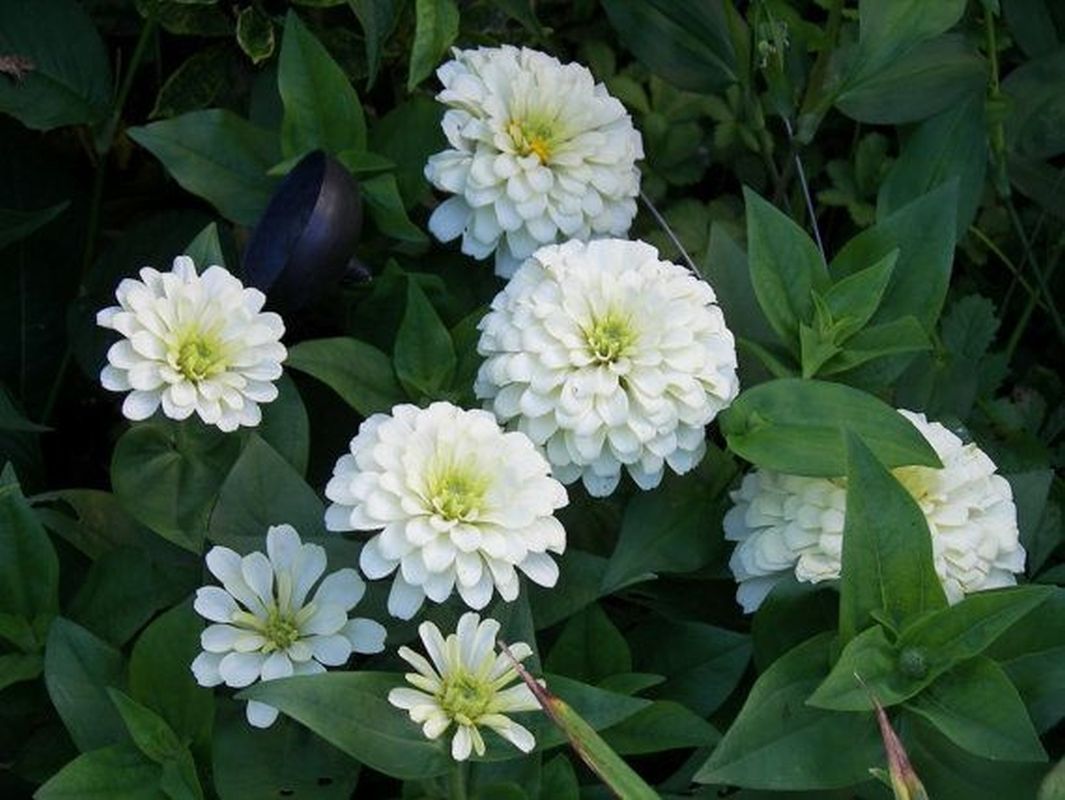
x=872, y=188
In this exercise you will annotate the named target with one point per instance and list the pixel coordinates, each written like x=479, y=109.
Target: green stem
x=997, y=251
x=103, y=145
x=1042, y=278
x=996, y=127
x=457, y=781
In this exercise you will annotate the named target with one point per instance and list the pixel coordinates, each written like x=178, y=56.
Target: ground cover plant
x=509, y=399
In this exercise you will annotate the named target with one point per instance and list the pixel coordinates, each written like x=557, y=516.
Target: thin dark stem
x=669, y=232
x=806, y=192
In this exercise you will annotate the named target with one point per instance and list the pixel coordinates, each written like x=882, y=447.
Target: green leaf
x=19, y=667
x=590, y=648
x=322, y=110
x=361, y=374
x=855, y=298
x=952, y=144
x=786, y=267
x=903, y=335
x=1034, y=126
x=204, y=80
x=725, y=268
x=435, y=28
x=350, y=711
x=29, y=569
x=779, y=742
x=869, y=667
x=887, y=561
x=931, y=77
x=378, y=19
x=688, y=44
x=167, y=475
x=255, y=34
x=67, y=80
x=285, y=425
x=889, y=30
x=664, y=725
x=262, y=489
x=579, y=582
x=923, y=231
x=559, y=780
x=792, y=613
x=667, y=530
x=408, y=135
x=796, y=426
x=78, y=669
x=112, y=773
x=524, y=12
x=160, y=676
x=976, y=706
x=206, y=249
x=250, y=763
x=1032, y=25
x=702, y=664
x=16, y=225
x=218, y=156
x=424, y=354
x=385, y=204
x=95, y=524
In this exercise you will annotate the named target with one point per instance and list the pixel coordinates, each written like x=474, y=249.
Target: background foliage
x=925, y=137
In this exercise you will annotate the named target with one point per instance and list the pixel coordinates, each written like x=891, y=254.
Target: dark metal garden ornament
x=305, y=240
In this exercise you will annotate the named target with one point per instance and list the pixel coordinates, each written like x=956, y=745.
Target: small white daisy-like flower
x=791, y=524
x=460, y=504
x=193, y=343
x=466, y=683
x=607, y=356
x=266, y=628
x=539, y=153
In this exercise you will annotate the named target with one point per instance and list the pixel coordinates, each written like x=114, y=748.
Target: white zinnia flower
x=459, y=504
x=466, y=684
x=193, y=343
x=540, y=152
x=607, y=356
x=265, y=626
x=788, y=523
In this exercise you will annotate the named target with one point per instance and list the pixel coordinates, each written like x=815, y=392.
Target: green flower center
x=199, y=356
x=465, y=698
x=457, y=493
x=610, y=337
x=532, y=136
x=281, y=631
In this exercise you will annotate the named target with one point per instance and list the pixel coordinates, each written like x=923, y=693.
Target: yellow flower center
x=465, y=698
x=199, y=355
x=609, y=337
x=457, y=492
x=281, y=631
x=532, y=136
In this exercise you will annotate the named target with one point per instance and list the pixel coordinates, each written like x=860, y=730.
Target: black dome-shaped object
x=302, y=245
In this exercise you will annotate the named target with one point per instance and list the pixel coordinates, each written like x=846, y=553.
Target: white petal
x=365, y=635
x=260, y=715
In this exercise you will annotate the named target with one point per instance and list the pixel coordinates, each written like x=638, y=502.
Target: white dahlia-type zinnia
x=193, y=343
x=465, y=683
x=788, y=524
x=265, y=627
x=539, y=153
x=459, y=503
x=607, y=357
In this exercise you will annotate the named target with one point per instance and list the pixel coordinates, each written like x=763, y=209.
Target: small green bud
x=912, y=663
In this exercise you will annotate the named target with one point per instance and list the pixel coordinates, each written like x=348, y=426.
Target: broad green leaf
x=286, y=757
x=29, y=569
x=120, y=772
x=285, y=425
x=785, y=265
x=952, y=144
x=792, y=613
x=1053, y=785
x=923, y=231
x=160, y=676
x=869, y=667
x=359, y=162
x=206, y=249
x=322, y=110
x=1031, y=23
x=887, y=563
x=187, y=17
x=435, y=28
x=702, y=664
x=262, y=489
x=903, y=335
x=951, y=773
x=255, y=34
x=688, y=44
x=203, y=80
x=779, y=742
x=854, y=299
x=168, y=475
x=976, y=706
x=796, y=426
x=19, y=667
x=930, y=77
x=1035, y=126
x=350, y=710
x=664, y=725
x=378, y=19
x=385, y=205
x=424, y=353
x=1030, y=490
x=580, y=578
x=16, y=225
x=218, y=156
x=559, y=780
x=12, y=417
x=78, y=669
x=668, y=530
x=361, y=374
x=91, y=520
x=524, y=12
x=408, y=135
x=68, y=77
x=888, y=30
x=725, y=268
x=590, y=648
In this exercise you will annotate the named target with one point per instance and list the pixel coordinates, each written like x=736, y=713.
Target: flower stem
x=669, y=232
x=805, y=191
x=457, y=781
